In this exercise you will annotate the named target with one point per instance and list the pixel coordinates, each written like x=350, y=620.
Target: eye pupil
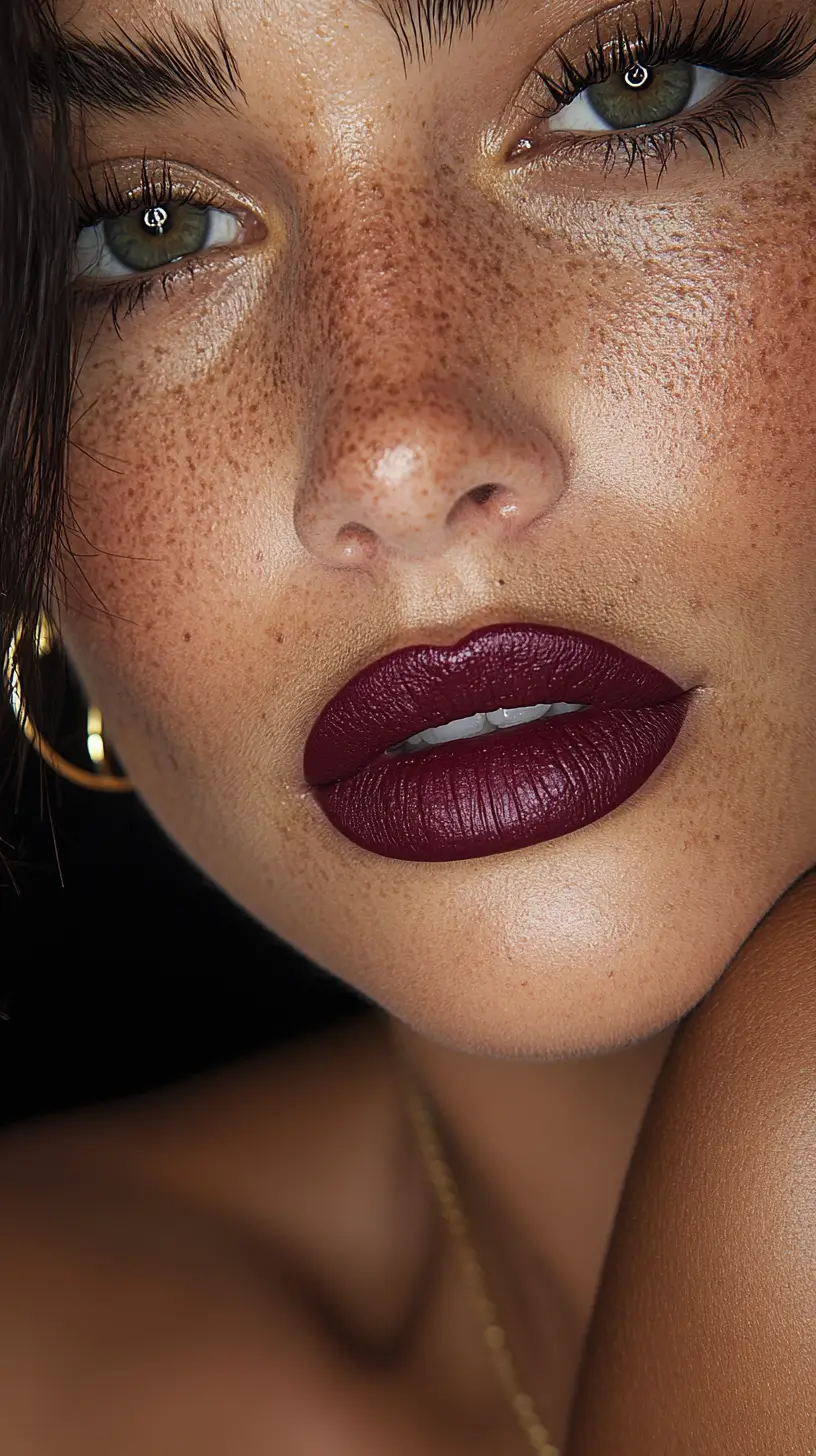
x=156, y=219
x=637, y=76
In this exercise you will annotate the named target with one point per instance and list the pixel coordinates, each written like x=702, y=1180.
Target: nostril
x=355, y=530
x=482, y=493
x=355, y=540
x=502, y=502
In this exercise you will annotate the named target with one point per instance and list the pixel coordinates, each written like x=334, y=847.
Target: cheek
x=681, y=393
x=178, y=531
x=704, y=377
x=698, y=385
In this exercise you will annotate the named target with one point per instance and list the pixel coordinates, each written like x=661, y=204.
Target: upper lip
x=505, y=666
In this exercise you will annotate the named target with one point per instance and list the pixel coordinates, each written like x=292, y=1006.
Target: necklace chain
x=447, y=1193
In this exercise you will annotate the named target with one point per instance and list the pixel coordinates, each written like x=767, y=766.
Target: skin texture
x=271, y=479
x=277, y=476
x=716, y=1224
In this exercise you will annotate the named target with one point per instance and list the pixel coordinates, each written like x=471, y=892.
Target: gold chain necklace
x=444, y=1183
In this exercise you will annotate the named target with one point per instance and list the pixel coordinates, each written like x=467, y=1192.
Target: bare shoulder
x=155, y=1296
x=742, y=1070
x=252, y=1140
x=716, y=1223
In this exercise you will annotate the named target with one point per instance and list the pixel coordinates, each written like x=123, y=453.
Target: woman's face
x=423, y=286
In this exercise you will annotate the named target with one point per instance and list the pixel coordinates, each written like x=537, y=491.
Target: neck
x=540, y=1151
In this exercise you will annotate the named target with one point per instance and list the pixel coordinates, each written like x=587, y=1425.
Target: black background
x=121, y=966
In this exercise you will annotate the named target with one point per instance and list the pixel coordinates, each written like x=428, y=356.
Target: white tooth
x=509, y=717
x=565, y=708
x=416, y=742
x=459, y=728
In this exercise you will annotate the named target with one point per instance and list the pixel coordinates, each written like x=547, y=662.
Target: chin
x=576, y=947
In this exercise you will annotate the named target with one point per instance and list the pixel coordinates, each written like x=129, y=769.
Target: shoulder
x=155, y=1296
x=112, y=1293
x=743, y=1064
x=733, y=1123
x=239, y=1140
x=716, y=1222
x=731, y=1120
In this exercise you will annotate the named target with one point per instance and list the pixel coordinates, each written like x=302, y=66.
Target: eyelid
x=529, y=106
x=575, y=42
x=724, y=38
x=673, y=30
x=103, y=195
x=120, y=182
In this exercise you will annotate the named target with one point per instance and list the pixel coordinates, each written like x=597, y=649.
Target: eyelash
x=91, y=209
x=720, y=46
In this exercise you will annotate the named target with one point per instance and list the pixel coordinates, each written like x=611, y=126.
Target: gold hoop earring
x=98, y=778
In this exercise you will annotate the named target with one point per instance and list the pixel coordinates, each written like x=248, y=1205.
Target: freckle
x=279, y=637
x=187, y=636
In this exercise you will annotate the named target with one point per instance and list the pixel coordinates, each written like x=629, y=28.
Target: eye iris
x=642, y=95
x=149, y=237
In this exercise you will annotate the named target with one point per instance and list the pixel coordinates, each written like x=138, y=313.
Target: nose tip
x=416, y=481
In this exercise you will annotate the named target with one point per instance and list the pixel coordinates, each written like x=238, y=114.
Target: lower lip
x=507, y=790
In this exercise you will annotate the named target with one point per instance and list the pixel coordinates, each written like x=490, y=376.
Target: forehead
x=282, y=59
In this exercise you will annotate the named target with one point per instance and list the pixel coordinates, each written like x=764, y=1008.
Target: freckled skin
x=280, y=473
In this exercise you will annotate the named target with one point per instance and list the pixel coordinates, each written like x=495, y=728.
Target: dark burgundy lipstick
x=511, y=787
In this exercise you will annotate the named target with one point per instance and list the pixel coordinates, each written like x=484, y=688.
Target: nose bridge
x=411, y=435
x=383, y=266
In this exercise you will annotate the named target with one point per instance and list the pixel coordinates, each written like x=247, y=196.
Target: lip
x=510, y=789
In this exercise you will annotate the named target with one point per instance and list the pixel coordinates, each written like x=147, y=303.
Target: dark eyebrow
x=124, y=73
x=424, y=25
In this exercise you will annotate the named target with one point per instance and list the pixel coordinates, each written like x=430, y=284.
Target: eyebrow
x=421, y=26
x=132, y=74
x=122, y=73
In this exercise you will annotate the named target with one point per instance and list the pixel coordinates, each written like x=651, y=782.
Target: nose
x=419, y=471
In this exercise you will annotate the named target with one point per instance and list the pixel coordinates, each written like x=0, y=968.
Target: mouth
x=517, y=734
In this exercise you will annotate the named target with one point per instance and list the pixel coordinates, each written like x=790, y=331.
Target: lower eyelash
x=744, y=106
x=124, y=297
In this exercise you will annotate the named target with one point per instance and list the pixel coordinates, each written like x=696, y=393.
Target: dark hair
x=36, y=336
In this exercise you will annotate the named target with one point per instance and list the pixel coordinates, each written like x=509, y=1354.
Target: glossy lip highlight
x=476, y=796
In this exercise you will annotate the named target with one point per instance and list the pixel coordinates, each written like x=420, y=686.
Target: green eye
x=150, y=237
x=639, y=96
x=642, y=95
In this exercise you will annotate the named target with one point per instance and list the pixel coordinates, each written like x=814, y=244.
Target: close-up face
x=440, y=324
